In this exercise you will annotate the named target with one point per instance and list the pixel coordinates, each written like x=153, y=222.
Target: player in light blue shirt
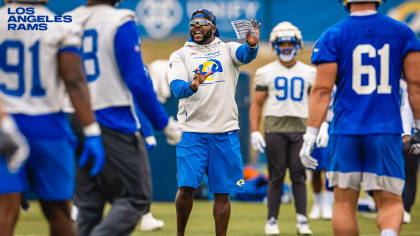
x=364, y=55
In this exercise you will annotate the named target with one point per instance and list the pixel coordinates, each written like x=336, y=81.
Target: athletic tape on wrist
x=92, y=129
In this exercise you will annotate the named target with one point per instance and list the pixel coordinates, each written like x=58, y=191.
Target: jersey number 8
x=89, y=50
x=359, y=69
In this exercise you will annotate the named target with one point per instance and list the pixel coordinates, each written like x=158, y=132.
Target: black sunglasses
x=201, y=22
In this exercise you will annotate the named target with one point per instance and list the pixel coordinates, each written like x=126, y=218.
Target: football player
x=114, y=69
x=284, y=86
x=364, y=55
x=31, y=65
x=203, y=76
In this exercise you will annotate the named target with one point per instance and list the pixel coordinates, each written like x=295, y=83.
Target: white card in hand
x=242, y=27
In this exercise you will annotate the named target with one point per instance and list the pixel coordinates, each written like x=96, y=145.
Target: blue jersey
x=369, y=51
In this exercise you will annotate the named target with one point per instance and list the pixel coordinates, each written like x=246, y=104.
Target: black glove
x=414, y=143
x=8, y=146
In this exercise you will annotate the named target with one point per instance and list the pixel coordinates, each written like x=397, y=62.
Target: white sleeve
x=232, y=47
x=177, y=68
x=406, y=116
x=312, y=75
x=71, y=35
x=260, y=79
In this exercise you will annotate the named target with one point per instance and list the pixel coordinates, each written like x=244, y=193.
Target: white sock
x=328, y=198
x=388, y=232
x=301, y=218
x=318, y=198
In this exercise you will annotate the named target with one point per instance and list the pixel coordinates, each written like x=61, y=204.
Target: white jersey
x=288, y=88
x=212, y=109
x=100, y=23
x=29, y=78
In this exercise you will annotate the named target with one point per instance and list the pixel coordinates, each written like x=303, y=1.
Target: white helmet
x=347, y=2
x=286, y=32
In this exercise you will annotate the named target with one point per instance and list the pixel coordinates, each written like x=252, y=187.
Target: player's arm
x=321, y=93
x=412, y=75
x=71, y=71
x=130, y=63
x=255, y=111
x=178, y=77
x=70, y=68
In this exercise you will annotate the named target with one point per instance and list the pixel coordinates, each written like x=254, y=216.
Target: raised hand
x=252, y=40
x=199, y=79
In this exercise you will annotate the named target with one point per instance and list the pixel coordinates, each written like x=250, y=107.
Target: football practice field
x=246, y=219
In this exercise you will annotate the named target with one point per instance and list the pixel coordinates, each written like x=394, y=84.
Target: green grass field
x=246, y=219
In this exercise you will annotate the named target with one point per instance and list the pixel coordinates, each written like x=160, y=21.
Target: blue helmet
x=206, y=14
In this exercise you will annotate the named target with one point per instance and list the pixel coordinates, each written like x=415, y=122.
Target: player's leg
x=344, y=214
x=276, y=152
x=89, y=200
x=298, y=177
x=9, y=212
x=409, y=196
x=344, y=173
x=384, y=174
x=58, y=214
x=184, y=203
x=192, y=155
x=51, y=170
x=221, y=213
x=225, y=174
x=316, y=184
x=125, y=182
x=11, y=186
x=390, y=210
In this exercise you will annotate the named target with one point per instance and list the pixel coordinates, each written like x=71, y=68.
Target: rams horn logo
x=211, y=65
x=240, y=182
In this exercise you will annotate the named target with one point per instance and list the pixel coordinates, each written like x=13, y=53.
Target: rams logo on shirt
x=240, y=182
x=211, y=65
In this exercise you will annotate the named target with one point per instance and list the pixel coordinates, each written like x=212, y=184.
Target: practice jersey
x=369, y=51
x=288, y=88
x=212, y=109
x=29, y=78
x=100, y=23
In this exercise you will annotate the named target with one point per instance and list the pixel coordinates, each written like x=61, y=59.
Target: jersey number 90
x=359, y=69
x=296, y=87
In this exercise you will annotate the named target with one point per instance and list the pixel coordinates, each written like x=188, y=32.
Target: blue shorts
x=50, y=168
x=217, y=155
x=11, y=182
x=375, y=160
